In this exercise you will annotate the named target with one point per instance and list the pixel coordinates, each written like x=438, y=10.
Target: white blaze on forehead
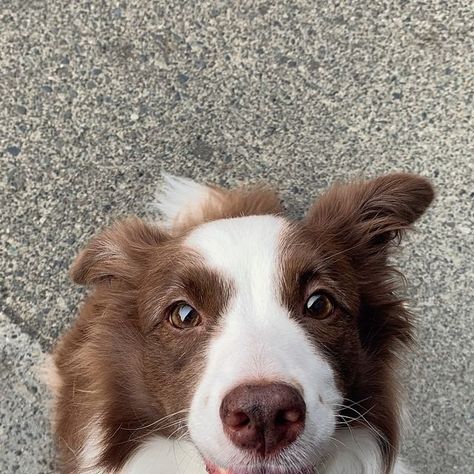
x=245, y=249
x=257, y=340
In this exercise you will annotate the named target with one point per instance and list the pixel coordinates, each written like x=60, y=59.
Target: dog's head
x=255, y=336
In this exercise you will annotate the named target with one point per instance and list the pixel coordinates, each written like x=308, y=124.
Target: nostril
x=237, y=420
x=284, y=417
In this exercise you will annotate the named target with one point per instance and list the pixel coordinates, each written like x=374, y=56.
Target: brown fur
x=147, y=368
x=342, y=249
x=122, y=360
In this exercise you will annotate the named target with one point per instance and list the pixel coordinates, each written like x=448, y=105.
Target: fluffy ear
x=368, y=215
x=182, y=199
x=118, y=252
x=185, y=203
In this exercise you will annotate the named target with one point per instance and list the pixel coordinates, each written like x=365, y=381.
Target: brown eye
x=184, y=316
x=319, y=306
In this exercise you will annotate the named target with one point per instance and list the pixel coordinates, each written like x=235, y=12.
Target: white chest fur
x=354, y=453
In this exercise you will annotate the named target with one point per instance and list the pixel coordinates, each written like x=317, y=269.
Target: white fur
x=356, y=452
x=161, y=455
x=402, y=468
x=49, y=375
x=353, y=452
x=158, y=455
x=179, y=197
x=90, y=452
x=257, y=340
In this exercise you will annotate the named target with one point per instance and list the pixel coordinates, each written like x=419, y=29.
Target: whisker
x=158, y=421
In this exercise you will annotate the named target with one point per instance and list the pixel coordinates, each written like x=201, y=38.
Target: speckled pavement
x=98, y=97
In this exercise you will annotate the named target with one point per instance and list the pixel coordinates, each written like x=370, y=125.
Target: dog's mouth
x=212, y=469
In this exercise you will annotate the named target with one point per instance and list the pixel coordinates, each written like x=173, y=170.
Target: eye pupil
x=319, y=306
x=185, y=312
x=315, y=302
x=184, y=316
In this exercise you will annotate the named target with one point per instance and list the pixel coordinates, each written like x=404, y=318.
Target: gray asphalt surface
x=98, y=97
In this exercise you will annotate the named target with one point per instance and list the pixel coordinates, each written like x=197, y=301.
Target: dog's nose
x=263, y=418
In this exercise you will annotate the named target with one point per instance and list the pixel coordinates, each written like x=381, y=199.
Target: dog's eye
x=184, y=316
x=319, y=306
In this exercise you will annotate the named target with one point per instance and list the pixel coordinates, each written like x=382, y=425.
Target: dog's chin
x=213, y=469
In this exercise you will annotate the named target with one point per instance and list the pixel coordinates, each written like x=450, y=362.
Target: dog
x=231, y=339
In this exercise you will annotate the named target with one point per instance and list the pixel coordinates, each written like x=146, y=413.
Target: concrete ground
x=98, y=97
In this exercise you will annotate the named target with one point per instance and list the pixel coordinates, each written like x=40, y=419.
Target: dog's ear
x=184, y=203
x=118, y=252
x=368, y=216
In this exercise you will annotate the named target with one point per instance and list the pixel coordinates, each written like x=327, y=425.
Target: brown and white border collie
x=231, y=339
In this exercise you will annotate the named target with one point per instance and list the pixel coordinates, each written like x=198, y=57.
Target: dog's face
x=267, y=396
x=256, y=336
